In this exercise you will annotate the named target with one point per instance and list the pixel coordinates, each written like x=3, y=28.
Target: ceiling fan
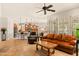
x=46, y=8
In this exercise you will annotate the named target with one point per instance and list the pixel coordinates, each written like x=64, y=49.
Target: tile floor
x=19, y=47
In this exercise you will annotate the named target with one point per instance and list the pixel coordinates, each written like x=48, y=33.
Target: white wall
x=0, y=20
x=11, y=13
x=0, y=10
x=64, y=19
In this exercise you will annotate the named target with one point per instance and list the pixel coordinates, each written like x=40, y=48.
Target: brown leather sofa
x=65, y=42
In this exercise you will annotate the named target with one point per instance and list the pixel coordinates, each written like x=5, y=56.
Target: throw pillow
x=66, y=39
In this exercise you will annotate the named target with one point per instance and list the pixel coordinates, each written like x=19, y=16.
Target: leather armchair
x=32, y=37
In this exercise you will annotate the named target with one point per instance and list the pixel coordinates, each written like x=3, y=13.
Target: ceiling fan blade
x=44, y=12
x=39, y=11
x=50, y=6
x=50, y=10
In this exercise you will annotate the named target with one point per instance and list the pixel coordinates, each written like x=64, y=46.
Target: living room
x=17, y=20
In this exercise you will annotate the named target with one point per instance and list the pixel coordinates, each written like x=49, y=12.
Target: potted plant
x=3, y=30
x=77, y=35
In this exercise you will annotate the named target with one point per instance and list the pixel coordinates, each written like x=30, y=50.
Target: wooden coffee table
x=47, y=45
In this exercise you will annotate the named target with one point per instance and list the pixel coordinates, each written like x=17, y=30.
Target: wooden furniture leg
x=36, y=46
x=53, y=51
x=48, y=52
x=41, y=47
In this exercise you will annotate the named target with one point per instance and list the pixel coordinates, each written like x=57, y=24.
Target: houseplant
x=3, y=30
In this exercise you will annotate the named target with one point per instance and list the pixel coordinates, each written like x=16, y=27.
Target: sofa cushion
x=53, y=41
x=55, y=36
x=50, y=36
x=72, y=42
x=72, y=37
x=58, y=36
x=64, y=43
x=59, y=42
x=66, y=38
